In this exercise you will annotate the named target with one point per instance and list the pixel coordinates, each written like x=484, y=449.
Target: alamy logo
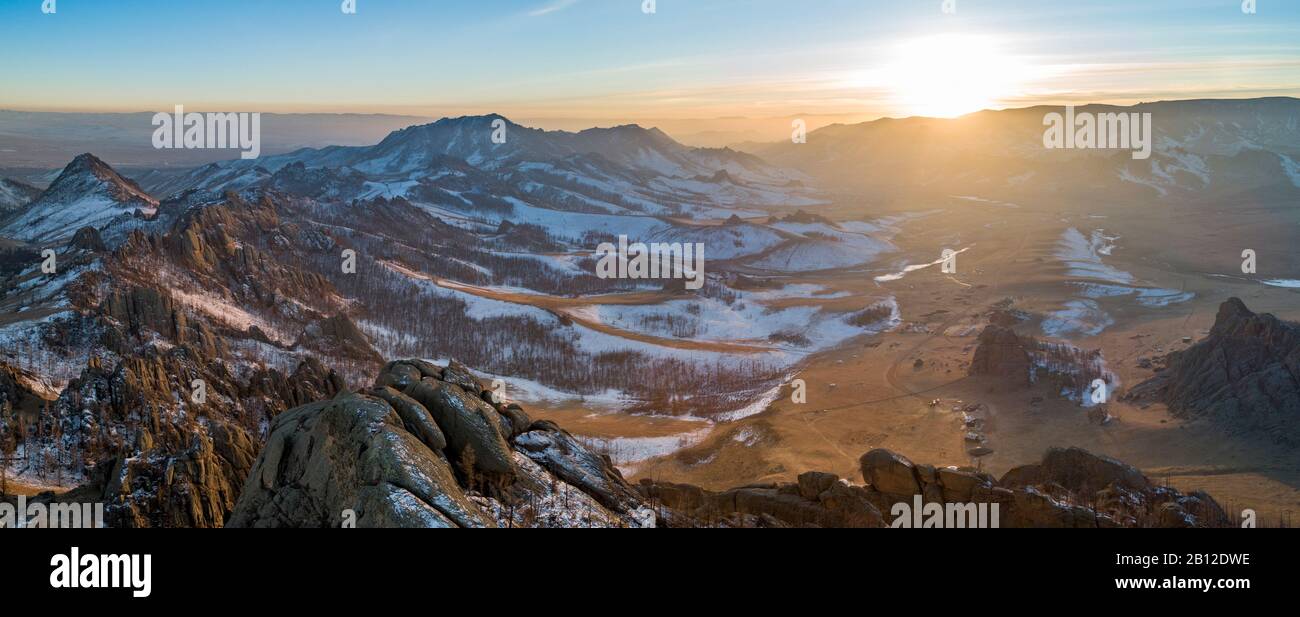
x=194, y=131
x=948, y=261
x=675, y=260
x=799, y=131
x=1248, y=261
x=102, y=572
x=1106, y=131
x=1098, y=392
x=51, y=515
x=935, y=515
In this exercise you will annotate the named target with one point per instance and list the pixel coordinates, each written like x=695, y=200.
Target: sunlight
x=949, y=75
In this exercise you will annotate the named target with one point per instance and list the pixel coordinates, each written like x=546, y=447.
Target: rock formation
x=427, y=446
x=157, y=452
x=1245, y=376
x=1001, y=352
x=1069, y=488
x=1025, y=360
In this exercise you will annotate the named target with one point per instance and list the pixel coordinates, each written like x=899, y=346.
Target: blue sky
x=606, y=59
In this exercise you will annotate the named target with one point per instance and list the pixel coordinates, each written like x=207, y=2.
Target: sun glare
x=949, y=75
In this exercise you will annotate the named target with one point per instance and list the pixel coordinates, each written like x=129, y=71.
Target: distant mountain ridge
x=1203, y=150
x=620, y=170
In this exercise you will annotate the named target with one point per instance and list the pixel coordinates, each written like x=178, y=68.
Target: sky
x=588, y=62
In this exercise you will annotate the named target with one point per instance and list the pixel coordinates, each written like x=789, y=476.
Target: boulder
x=519, y=420
x=473, y=429
x=398, y=375
x=889, y=473
x=457, y=374
x=415, y=417
x=814, y=483
x=350, y=456
x=427, y=369
x=958, y=485
x=559, y=453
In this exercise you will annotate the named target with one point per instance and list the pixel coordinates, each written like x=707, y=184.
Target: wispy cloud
x=552, y=7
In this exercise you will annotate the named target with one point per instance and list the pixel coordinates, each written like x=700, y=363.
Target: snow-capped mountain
x=1202, y=150
x=87, y=193
x=471, y=138
x=624, y=169
x=14, y=195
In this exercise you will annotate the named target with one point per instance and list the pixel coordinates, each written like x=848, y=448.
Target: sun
x=948, y=75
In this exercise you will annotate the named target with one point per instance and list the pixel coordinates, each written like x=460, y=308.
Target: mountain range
x=235, y=275
x=1204, y=151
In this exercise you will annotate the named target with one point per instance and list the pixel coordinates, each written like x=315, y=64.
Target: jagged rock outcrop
x=166, y=438
x=339, y=336
x=88, y=239
x=1245, y=376
x=140, y=310
x=418, y=451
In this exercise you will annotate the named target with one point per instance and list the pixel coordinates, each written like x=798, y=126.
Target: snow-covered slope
x=618, y=170
x=14, y=195
x=87, y=193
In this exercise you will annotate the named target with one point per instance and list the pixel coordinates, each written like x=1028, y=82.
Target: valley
x=291, y=278
x=870, y=393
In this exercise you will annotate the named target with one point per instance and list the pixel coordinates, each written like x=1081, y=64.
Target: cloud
x=554, y=6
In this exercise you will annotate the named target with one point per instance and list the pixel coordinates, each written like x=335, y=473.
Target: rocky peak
x=88, y=239
x=1245, y=376
x=1230, y=312
x=87, y=166
x=87, y=193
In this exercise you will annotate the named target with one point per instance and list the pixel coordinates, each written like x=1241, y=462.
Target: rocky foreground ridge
x=428, y=446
